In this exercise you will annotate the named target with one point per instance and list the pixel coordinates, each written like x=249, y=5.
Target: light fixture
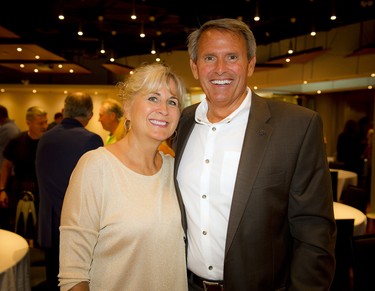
x=112, y=57
x=333, y=13
x=256, y=16
x=142, y=34
x=80, y=31
x=153, y=51
x=313, y=32
x=133, y=16
x=290, y=50
x=102, y=49
x=61, y=15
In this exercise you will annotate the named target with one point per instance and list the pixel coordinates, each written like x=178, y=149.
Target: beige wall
x=51, y=98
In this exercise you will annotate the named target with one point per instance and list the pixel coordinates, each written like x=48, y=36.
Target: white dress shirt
x=206, y=177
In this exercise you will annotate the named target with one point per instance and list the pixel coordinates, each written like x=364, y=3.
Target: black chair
x=344, y=257
x=363, y=262
x=334, y=179
x=356, y=197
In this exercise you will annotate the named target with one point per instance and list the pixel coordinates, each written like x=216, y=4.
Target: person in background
x=8, y=130
x=121, y=223
x=19, y=154
x=349, y=148
x=58, y=117
x=253, y=176
x=110, y=114
x=58, y=152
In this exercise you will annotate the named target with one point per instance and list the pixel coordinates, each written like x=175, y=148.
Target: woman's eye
x=153, y=98
x=173, y=102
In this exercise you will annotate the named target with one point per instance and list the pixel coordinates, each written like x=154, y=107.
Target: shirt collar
x=201, y=112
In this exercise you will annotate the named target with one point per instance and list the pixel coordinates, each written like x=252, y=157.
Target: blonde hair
x=149, y=78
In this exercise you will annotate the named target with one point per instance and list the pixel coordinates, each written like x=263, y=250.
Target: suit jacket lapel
x=257, y=136
x=184, y=130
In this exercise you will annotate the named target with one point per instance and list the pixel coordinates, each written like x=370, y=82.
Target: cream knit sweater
x=121, y=230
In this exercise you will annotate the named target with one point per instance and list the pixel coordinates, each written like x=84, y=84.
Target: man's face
x=223, y=68
x=37, y=126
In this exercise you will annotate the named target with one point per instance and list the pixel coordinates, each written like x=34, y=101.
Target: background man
x=8, y=130
x=58, y=152
x=19, y=155
x=110, y=114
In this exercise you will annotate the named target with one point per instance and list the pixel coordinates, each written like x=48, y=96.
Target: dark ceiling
x=166, y=23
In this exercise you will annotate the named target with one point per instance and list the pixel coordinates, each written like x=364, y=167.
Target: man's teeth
x=221, y=82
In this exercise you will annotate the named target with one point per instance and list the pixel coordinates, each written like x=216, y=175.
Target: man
x=58, y=117
x=252, y=175
x=8, y=130
x=110, y=114
x=58, y=152
x=19, y=155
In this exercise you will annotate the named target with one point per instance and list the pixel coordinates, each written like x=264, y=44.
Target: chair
x=356, y=197
x=344, y=257
x=363, y=262
x=334, y=179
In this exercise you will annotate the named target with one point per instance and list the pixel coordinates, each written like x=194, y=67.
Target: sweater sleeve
x=80, y=221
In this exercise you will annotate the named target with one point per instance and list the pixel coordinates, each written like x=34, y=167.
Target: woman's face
x=155, y=114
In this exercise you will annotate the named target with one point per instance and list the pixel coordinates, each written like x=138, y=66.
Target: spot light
x=290, y=50
x=153, y=51
x=142, y=34
x=133, y=16
x=333, y=13
x=61, y=15
x=256, y=15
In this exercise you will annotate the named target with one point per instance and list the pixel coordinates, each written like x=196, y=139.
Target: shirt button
x=204, y=196
x=210, y=268
x=214, y=129
x=204, y=232
x=206, y=161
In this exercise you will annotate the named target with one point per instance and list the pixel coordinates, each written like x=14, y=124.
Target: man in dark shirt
x=19, y=155
x=58, y=152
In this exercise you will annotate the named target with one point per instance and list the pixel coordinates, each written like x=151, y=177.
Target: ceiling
x=166, y=23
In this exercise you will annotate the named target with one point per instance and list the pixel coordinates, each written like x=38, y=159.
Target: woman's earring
x=127, y=125
x=173, y=136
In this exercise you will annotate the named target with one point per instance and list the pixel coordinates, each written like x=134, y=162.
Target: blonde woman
x=121, y=222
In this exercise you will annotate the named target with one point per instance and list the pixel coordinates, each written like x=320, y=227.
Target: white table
x=343, y=211
x=344, y=178
x=14, y=262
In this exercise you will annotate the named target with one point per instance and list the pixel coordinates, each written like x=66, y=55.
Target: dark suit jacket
x=281, y=232
x=58, y=152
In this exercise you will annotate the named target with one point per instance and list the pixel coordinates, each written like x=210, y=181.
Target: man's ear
x=194, y=69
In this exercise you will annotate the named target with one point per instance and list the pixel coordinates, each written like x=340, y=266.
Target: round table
x=14, y=262
x=344, y=178
x=343, y=211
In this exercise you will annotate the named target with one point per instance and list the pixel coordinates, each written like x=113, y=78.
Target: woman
x=121, y=223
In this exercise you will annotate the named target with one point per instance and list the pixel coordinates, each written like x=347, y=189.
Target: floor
x=37, y=270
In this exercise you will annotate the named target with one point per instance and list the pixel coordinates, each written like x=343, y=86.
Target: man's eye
x=233, y=57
